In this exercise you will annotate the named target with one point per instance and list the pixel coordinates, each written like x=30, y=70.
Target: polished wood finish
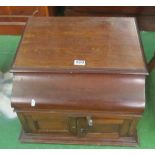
x=113, y=10
x=98, y=103
x=146, y=23
x=96, y=90
x=12, y=25
x=24, y=10
x=145, y=14
x=54, y=127
x=73, y=39
x=14, y=18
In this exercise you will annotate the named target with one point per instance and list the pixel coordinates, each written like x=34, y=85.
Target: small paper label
x=80, y=62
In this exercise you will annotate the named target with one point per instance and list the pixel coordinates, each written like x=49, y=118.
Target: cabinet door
x=75, y=125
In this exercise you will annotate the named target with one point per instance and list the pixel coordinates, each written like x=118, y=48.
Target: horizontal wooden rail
x=12, y=25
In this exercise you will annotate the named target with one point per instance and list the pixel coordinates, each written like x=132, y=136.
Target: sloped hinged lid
x=81, y=44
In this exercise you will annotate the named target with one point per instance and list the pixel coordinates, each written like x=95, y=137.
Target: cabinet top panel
x=80, y=44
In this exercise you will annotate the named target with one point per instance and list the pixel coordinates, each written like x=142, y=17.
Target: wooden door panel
x=58, y=123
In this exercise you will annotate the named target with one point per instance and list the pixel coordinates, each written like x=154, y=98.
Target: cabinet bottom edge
x=49, y=139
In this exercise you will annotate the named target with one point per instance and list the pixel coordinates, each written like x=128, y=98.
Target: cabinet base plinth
x=56, y=139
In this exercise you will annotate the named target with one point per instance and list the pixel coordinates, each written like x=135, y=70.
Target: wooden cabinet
x=73, y=126
x=14, y=18
x=145, y=15
x=109, y=10
x=24, y=10
x=79, y=81
x=4, y=10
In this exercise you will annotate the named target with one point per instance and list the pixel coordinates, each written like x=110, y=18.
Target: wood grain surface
x=104, y=43
x=98, y=103
x=101, y=92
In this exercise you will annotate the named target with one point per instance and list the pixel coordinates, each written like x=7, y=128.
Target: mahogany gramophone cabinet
x=79, y=81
